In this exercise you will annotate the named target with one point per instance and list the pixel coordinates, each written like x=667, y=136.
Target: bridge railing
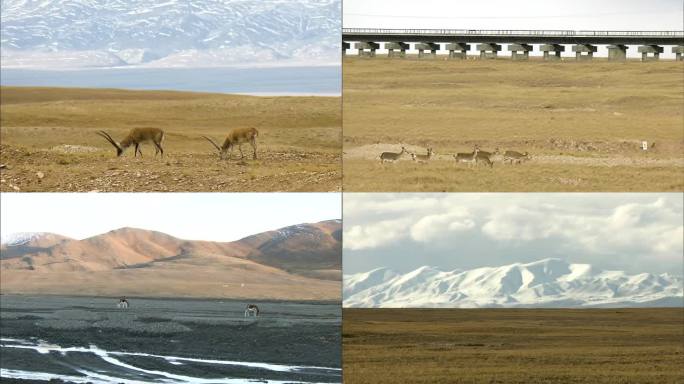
x=511, y=32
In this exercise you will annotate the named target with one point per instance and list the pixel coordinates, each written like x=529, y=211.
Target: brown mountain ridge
x=299, y=262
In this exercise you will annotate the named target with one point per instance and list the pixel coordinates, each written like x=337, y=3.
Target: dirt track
x=373, y=151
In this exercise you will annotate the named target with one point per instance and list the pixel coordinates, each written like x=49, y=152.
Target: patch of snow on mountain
x=19, y=238
x=544, y=283
x=107, y=33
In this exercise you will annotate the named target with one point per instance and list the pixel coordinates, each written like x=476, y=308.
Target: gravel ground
x=286, y=333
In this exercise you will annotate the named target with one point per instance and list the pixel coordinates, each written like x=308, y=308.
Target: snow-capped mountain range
x=173, y=33
x=545, y=283
x=19, y=238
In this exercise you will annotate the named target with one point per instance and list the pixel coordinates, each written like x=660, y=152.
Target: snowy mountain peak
x=543, y=283
x=172, y=33
x=20, y=238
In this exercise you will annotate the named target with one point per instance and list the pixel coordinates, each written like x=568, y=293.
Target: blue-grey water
x=323, y=80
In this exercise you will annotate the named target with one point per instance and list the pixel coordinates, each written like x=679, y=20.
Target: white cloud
x=374, y=220
x=505, y=14
x=650, y=227
x=519, y=223
x=375, y=235
x=432, y=227
x=636, y=231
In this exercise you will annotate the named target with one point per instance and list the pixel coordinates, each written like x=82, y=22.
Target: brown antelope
x=422, y=158
x=515, y=157
x=392, y=156
x=236, y=136
x=476, y=157
x=135, y=137
x=483, y=153
x=467, y=157
x=484, y=159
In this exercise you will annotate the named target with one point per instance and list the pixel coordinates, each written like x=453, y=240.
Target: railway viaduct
x=428, y=42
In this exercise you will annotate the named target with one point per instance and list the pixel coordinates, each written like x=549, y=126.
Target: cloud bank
x=632, y=231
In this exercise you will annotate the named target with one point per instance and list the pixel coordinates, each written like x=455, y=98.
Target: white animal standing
x=252, y=309
x=123, y=303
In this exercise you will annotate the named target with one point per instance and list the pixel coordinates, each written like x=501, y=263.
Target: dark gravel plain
x=286, y=333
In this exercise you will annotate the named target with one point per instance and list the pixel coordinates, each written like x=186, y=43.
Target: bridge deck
x=515, y=36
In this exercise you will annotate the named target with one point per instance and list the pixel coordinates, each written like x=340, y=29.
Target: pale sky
x=631, y=232
x=192, y=216
x=522, y=14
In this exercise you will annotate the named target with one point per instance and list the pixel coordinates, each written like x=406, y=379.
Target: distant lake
x=325, y=80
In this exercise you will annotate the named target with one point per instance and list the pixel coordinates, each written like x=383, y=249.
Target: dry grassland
x=582, y=123
x=513, y=346
x=49, y=141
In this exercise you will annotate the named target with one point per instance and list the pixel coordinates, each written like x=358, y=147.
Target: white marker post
x=644, y=145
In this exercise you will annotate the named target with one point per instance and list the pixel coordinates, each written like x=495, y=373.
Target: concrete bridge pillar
x=396, y=49
x=520, y=51
x=679, y=52
x=489, y=50
x=422, y=47
x=345, y=46
x=458, y=50
x=654, y=50
x=552, y=51
x=367, y=48
x=584, y=51
x=617, y=52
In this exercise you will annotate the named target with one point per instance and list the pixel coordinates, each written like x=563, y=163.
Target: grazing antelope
x=392, y=156
x=422, y=158
x=515, y=157
x=135, y=137
x=123, y=303
x=252, y=309
x=236, y=136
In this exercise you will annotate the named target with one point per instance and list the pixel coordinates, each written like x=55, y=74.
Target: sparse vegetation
x=582, y=123
x=49, y=141
x=513, y=346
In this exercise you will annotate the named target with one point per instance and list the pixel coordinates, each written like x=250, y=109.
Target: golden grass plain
x=525, y=346
x=582, y=123
x=49, y=141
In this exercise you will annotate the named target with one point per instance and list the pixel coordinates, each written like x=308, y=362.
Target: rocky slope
x=297, y=262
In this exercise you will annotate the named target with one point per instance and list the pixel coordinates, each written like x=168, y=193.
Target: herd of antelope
x=137, y=136
x=476, y=157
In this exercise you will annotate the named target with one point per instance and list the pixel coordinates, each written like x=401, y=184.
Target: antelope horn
x=213, y=143
x=109, y=138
